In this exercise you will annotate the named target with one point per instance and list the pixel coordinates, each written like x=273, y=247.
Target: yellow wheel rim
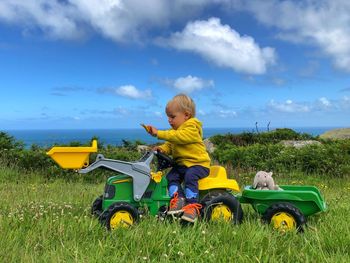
x=121, y=218
x=221, y=212
x=283, y=221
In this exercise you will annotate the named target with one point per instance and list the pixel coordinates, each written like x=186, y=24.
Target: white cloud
x=130, y=91
x=158, y=114
x=340, y=105
x=288, y=106
x=325, y=102
x=121, y=111
x=189, y=84
x=227, y=113
x=120, y=20
x=322, y=104
x=223, y=46
x=324, y=23
x=52, y=17
x=201, y=112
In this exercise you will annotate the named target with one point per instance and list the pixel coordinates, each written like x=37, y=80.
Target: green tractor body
x=135, y=190
x=119, y=188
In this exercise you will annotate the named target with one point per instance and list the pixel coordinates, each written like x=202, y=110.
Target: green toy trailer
x=285, y=209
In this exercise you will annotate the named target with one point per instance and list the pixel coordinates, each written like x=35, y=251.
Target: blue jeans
x=190, y=177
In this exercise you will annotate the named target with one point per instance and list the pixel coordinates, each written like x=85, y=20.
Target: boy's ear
x=187, y=115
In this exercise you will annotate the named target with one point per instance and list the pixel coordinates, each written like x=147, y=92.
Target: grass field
x=49, y=221
x=342, y=133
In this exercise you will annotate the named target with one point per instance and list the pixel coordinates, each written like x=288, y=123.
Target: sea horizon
x=49, y=137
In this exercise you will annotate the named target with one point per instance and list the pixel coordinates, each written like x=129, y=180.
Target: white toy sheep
x=264, y=181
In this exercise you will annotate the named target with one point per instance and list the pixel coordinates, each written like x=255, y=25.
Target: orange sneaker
x=176, y=205
x=191, y=212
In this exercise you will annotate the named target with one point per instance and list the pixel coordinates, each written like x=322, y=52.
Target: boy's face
x=175, y=116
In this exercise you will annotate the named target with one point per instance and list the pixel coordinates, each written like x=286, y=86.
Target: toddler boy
x=184, y=142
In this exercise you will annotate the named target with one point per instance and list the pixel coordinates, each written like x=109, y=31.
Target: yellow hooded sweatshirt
x=185, y=144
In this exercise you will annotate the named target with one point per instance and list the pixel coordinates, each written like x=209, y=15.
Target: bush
x=249, y=138
x=330, y=159
x=246, y=152
x=7, y=142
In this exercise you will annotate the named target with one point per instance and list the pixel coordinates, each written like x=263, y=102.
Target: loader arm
x=140, y=171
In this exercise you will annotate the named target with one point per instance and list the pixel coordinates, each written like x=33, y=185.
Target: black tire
x=218, y=199
x=96, y=208
x=124, y=209
x=162, y=213
x=288, y=210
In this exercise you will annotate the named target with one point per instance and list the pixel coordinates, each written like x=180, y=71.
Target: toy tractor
x=136, y=190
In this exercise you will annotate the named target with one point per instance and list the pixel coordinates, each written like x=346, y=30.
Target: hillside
x=343, y=133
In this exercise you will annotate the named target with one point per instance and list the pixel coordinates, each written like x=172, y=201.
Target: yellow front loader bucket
x=72, y=157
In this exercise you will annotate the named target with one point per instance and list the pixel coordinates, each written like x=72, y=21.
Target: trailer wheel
x=221, y=206
x=96, y=208
x=120, y=215
x=284, y=217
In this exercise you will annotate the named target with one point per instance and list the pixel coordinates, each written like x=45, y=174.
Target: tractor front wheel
x=96, y=208
x=284, y=217
x=120, y=215
x=222, y=206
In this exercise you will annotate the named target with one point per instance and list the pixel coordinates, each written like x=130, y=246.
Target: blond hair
x=184, y=103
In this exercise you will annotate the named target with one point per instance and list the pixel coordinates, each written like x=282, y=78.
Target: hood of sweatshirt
x=195, y=122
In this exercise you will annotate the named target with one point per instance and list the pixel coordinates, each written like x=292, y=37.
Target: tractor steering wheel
x=164, y=161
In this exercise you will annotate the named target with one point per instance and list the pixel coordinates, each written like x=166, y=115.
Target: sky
x=109, y=64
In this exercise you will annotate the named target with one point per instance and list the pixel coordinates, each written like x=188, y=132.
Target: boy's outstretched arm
x=187, y=135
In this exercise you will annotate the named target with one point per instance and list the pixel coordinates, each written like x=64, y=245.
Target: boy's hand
x=157, y=148
x=150, y=129
x=153, y=130
x=146, y=127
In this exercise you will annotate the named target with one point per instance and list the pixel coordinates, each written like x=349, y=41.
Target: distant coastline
x=47, y=138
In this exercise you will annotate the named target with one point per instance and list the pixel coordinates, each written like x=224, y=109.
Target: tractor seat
x=217, y=179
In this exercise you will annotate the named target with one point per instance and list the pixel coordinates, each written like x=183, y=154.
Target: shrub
x=8, y=142
x=249, y=138
x=332, y=159
x=249, y=152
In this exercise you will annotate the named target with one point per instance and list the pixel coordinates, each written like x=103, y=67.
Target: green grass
x=342, y=133
x=49, y=221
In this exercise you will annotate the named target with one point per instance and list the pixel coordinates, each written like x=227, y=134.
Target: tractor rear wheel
x=120, y=215
x=284, y=217
x=222, y=206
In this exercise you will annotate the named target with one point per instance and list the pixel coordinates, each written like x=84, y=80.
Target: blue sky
x=68, y=64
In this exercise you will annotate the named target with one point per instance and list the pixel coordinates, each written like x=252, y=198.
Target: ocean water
x=47, y=138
